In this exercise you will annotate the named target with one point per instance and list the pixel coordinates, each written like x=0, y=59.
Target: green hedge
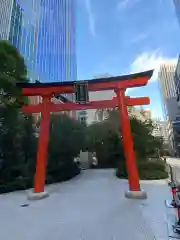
x=21, y=183
x=66, y=172
x=150, y=170
x=15, y=185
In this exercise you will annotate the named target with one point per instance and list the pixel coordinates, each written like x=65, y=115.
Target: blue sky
x=124, y=36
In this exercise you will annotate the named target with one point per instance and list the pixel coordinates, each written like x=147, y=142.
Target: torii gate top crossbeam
x=124, y=81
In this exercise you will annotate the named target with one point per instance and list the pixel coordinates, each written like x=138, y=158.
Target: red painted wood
x=141, y=81
x=121, y=101
x=137, y=101
x=91, y=105
x=40, y=174
x=128, y=145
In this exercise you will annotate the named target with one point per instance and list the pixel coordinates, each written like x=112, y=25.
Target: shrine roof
x=132, y=77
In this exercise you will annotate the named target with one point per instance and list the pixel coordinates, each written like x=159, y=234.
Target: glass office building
x=18, y=26
x=56, y=51
x=177, y=8
x=44, y=33
x=5, y=16
x=177, y=73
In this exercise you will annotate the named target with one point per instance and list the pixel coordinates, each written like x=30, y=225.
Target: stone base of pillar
x=37, y=196
x=136, y=194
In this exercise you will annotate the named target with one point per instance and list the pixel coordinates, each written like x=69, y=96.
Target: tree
x=12, y=70
x=145, y=143
x=18, y=144
x=108, y=132
x=67, y=138
x=104, y=138
x=18, y=150
x=17, y=140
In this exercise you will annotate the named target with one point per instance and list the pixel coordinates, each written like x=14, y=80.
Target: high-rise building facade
x=168, y=90
x=177, y=73
x=170, y=105
x=5, y=16
x=177, y=8
x=18, y=27
x=56, y=49
x=44, y=33
x=177, y=81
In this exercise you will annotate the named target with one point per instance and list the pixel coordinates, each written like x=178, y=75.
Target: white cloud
x=139, y=37
x=91, y=17
x=127, y=3
x=149, y=60
x=123, y=3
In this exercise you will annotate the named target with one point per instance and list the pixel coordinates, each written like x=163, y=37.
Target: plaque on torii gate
x=119, y=84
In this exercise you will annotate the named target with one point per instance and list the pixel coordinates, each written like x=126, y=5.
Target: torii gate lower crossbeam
x=119, y=84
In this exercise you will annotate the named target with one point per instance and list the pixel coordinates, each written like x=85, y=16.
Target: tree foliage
x=18, y=143
x=105, y=138
x=17, y=140
x=145, y=143
x=18, y=150
x=12, y=70
x=67, y=138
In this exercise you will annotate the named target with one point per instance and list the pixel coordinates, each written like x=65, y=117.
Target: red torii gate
x=119, y=85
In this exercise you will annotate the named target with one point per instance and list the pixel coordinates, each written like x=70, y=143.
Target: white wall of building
x=161, y=130
x=99, y=95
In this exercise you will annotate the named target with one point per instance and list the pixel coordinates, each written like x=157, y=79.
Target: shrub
x=17, y=135
x=17, y=167
x=150, y=170
x=15, y=185
x=153, y=175
x=66, y=140
x=151, y=165
x=63, y=173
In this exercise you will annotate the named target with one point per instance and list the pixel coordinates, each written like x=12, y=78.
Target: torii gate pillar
x=40, y=173
x=133, y=176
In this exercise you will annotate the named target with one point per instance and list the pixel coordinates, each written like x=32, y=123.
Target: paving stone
x=91, y=206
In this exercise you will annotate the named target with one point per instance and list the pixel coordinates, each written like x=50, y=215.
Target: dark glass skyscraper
x=44, y=32
x=177, y=8
x=177, y=72
x=56, y=51
x=15, y=33
x=5, y=16
x=22, y=32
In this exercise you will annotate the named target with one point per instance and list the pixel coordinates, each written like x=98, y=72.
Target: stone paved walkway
x=90, y=207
